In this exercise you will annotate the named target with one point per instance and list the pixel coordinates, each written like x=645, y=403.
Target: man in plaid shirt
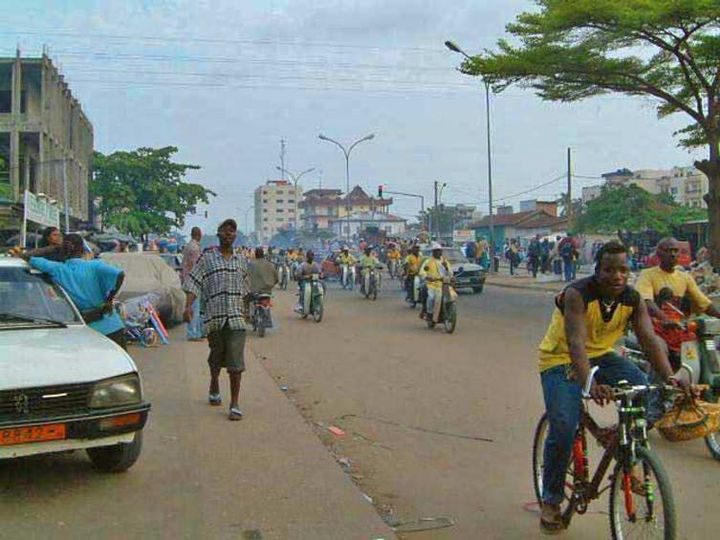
x=220, y=280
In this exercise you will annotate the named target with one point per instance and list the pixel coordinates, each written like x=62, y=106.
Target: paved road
x=418, y=405
x=199, y=476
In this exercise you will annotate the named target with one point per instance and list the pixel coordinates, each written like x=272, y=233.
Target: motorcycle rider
x=346, y=259
x=666, y=277
x=305, y=272
x=368, y=262
x=412, y=268
x=393, y=257
x=434, y=270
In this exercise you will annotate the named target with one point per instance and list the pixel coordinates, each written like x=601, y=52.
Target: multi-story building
x=46, y=141
x=276, y=208
x=686, y=185
x=321, y=206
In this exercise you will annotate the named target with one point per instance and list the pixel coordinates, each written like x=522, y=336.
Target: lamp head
x=453, y=46
x=322, y=137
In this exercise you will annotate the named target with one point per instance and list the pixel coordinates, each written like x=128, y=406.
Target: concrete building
x=590, y=192
x=549, y=207
x=321, y=206
x=276, y=208
x=521, y=226
x=360, y=221
x=44, y=135
x=686, y=185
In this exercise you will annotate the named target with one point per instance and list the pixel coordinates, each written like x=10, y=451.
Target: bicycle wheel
x=642, y=511
x=450, y=319
x=538, y=464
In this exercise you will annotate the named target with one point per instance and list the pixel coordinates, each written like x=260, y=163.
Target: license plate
x=21, y=435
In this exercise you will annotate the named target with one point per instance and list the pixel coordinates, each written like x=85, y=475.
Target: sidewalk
x=522, y=280
x=268, y=474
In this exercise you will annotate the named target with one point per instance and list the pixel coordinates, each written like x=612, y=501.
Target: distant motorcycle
x=283, y=275
x=446, y=312
x=313, y=298
x=347, y=276
x=371, y=283
x=413, y=284
x=260, y=316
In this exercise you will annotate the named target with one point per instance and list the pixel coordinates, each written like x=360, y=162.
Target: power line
x=220, y=41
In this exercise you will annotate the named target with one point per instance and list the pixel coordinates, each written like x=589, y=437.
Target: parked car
x=63, y=385
x=467, y=275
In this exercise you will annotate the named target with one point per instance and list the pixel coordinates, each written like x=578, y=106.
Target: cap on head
x=228, y=223
x=435, y=246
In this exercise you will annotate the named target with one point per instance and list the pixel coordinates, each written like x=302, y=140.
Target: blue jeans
x=569, y=269
x=194, y=329
x=563, y=401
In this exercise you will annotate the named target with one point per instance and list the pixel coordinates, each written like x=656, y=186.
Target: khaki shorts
x=227, y=350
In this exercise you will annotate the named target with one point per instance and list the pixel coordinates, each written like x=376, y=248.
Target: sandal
x=215, y=399
x=235, y=413
x=550, y=519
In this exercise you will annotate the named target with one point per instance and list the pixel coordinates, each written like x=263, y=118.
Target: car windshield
x=453, y=255
x=26, y=296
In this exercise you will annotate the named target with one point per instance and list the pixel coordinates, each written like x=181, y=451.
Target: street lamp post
x=347, y=173
x=455, y=48
x=295, y=178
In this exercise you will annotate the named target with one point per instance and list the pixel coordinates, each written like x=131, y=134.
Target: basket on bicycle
x=688, y=419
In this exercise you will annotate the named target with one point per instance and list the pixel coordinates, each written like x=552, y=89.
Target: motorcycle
x=413, y=284
x=445, y=309
x=393, y=269
x=313, y=298
x=699, y=361
x=347, y=276
x=260, y=316
x=371, y=283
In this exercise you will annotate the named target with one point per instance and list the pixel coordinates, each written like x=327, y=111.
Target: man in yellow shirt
x=367, y=262
x=393, y=258
x=590, y=316
x=412, y=268
x=667, y=276
x=434, y=270
x=346, y=261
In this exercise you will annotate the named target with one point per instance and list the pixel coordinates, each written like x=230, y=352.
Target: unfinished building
x=45, y=138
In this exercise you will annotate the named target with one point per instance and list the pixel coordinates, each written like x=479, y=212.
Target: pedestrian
x=555, y=257
x=533, y=253
x=567, y=255
x=91, y=285
x=191, y=253
x=471, y=251
x=513, y=257
x=220, y=280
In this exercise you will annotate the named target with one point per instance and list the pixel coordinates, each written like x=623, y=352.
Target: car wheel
x=478, y=290
x=117, y=458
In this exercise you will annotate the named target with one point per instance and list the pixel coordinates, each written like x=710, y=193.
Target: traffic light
x=380, y=191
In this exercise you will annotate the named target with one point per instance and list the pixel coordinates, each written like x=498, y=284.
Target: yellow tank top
x=605, y=324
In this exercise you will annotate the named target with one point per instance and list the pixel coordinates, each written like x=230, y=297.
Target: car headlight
x=115, y=392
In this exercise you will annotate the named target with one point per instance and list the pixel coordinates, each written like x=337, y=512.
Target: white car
x=63, y=386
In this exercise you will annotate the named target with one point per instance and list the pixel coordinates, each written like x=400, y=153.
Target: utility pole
x=282, y=158
x=569, y=210
x=434, y=212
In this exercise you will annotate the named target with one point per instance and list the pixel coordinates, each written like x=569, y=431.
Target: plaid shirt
x=221, y=286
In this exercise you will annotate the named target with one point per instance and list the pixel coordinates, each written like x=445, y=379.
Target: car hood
x=50, y=356
x=466, y=267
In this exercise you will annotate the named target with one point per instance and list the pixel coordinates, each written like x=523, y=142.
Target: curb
x=524, y=287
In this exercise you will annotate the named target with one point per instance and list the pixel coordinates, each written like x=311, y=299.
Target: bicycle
x=634, y=502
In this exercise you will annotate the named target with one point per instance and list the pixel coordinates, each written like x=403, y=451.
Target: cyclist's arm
x=576, y=334
x=643, y=328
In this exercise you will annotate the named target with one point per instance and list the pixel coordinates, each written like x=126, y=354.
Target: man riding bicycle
x=590, y=316
x=304, y=272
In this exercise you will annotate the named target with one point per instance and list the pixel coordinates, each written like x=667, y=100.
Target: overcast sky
x=225, y=80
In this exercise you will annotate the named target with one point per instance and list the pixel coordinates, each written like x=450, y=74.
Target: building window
x=265, y=219
x=265, y=201
x=279, y=201
x=279, y=192
x=5, y=101
x=279, y=210
x=280, y=219
x=264, y=210
x=291, y=201
x=265, y=228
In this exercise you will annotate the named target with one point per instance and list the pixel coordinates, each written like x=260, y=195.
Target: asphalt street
x=432, y=426
x=442, y=425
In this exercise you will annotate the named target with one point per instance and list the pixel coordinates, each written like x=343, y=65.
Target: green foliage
x=631, y=208
x=568, y=50
x=144, y=191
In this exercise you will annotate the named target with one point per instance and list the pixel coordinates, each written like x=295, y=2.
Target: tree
x=631, y=208
x=568, y=50
x=144, y=191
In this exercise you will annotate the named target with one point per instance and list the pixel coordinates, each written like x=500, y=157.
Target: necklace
x=608, y=307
